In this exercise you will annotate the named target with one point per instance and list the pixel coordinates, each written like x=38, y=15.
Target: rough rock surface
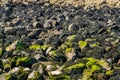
x=44, y=41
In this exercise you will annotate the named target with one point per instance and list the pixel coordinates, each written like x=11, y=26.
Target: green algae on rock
x=62, y=77
x=76, y=68
x=70, y=53
x=11, y=77
x=1, y=64
x=7, y=67
x=1, y=51
x=34, y=75
x=35, y=47
x=25, y=61
x=44, y=47
x=109, y=72
x=19, y=45
x=82, y=44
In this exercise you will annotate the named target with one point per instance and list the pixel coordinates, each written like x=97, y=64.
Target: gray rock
x=49, y=24
x=37, y=25
x=73, y=27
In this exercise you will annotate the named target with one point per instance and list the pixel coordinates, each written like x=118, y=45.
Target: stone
x=37, y=25
x=73, y=27
x=49, y=24
x=11, y=46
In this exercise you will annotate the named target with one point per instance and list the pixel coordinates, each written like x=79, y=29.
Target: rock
x=49, y=24
x=60, y=17
x=73, y=27
x=34, y=33
x=37, y=25
x=56, y=72
x=1, y=64
x=70, y=53
x=38, y=41
x=15, y=70
x=40, y=57
x=11, y=46
x=15, y=21
x=25, y=61
x=32, y=74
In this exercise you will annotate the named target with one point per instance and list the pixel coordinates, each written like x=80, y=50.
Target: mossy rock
x=96, y=44
x=75, y=69
x=13, y=62
x=87, y=74
x=44, y=47
x=23, y=75
x=105, y=65
x=53, y=53
x=25, y=61
x=62, y=47
x=19, y=45
x=1, y=51
x=1, y=64
x=70, y=53
x=69, y=50
x=7, y=67
x=90, y=62
x=62, y=77
x=71, y=37
x=109, y=72
x=36, y=76
x=35, y=47
x=11, y=77
x=82, y=44
x=70, y=44
x=95, y=68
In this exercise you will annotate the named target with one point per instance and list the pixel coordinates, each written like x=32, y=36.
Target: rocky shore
x=44, y=41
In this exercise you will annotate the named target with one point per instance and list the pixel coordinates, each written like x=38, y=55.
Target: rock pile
x=42, y=41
